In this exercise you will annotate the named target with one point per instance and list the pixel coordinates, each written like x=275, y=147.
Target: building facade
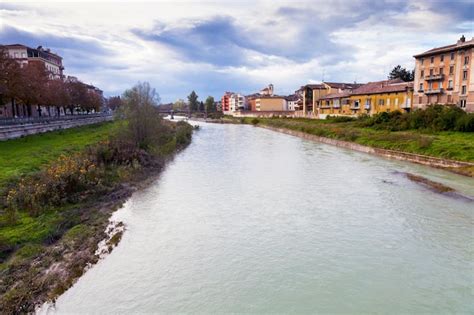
x=225, y=102
x=25, y=55
x=370, y=99
x=270, y=103
x=443, y=76
x=237, y=102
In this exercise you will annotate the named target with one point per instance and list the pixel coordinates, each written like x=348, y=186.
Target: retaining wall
x=21, y=130
x=397, y=155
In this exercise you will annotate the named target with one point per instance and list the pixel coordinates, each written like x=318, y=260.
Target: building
x=237, y=102
x=293, y=102
x=270, y=103
x=371, y=98
x=443, y=76
x=25, y=55
x=312, y=93
x=225, y=102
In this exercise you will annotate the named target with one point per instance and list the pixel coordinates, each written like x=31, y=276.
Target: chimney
x=461, y=40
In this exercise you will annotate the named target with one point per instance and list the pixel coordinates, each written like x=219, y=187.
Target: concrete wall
x=21, y=130
x=397, y=155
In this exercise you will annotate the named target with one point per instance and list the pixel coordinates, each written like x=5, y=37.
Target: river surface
x=247, y=220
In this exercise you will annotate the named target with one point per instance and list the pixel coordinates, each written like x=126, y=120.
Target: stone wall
x=397, y=155
x=21, y=130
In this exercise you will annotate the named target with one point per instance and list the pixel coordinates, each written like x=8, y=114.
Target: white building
x=25, y=55
x=237, y=102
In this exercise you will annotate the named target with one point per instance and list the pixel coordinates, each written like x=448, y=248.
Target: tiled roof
x=336, y=95
x=458, y=45
x=292, y=97
x=386, y=86
x=338, y=85
x=314, y=86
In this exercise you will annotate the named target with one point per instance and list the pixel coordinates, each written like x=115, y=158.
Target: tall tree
x=33, y=87
x=193, y=101
x=201, y=106
x=10, y=80
x=401, y=73
x=210, y=104
x=114, y=102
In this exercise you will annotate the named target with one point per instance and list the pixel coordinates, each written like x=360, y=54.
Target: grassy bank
x=56, y=200
x=25, y=155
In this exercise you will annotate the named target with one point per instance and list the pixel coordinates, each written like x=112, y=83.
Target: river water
x=249, y=220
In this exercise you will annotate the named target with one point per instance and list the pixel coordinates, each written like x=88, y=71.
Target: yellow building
x=371, y=98
x=270, y=103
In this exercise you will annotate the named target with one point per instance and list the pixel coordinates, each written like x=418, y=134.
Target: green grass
x=26, y=155
x=446, y=144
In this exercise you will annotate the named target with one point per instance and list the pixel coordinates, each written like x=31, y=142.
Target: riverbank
x=49, y=236
x=451, y=151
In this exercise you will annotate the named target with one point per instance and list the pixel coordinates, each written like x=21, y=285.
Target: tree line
x=28, y=87
x=194, y=105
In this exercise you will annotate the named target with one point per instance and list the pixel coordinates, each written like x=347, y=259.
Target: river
x=247, y=220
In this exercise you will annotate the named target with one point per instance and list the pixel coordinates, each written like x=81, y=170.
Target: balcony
x=433, y=91
x=434, y=77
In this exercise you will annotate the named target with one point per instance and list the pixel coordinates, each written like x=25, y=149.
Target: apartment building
x=237, y=102
x=25, y=55
x=313, y=93
x=371, y=98
x=225, y=102
x=270, y=103
x=443, y=76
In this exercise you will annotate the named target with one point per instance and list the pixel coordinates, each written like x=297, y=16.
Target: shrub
x=254, y=121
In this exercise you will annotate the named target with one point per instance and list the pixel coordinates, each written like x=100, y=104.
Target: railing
x=46, y=119
x=434, y=91
x=434, y=77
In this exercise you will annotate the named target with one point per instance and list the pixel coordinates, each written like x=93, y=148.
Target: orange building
x=443, y=76
x=225, y=101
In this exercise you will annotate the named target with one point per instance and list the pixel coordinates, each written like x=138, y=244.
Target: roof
x=292, y=97
x=386, y=86
x=314, y=86
x=457, y=46
x=271, y=96
x=15, y=46
x=338, y=85
x=336, y=95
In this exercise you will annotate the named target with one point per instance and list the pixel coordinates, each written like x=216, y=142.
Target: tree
x=57, y=94
x=10, y=80
x=201, y=106
x=179, y=105
x=210, y=104
x=33, y=87
x=401, y=73
x=193, y=101
x=140, y=110
x=114, y=102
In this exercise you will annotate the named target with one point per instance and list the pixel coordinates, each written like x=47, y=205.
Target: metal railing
x=7, y=121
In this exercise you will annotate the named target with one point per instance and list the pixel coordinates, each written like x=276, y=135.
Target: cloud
x=214, y=46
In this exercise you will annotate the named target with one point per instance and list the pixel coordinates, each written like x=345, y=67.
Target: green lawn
x=25, y=155
x=446, y=144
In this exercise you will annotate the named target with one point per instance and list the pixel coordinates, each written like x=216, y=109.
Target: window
x=441, y=70
x=421, y=87
x=440, y=85
x=430, y=86
x=431, y=72
x=396, y=101
x=422, y=74
x=388, y=102
x=442, y=58
x=451, y=69
x=381, y=102
x=432, y=59
x=452, y=56
x=462, y=103
x=464, y=75
x=450, y=84
x=466, y=60
x=463, y=89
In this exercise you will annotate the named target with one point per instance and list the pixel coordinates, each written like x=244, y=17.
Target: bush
x=340, y=119
x=435, y=118
x=254, y=121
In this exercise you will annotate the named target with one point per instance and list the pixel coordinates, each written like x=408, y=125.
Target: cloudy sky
x=241, y=46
